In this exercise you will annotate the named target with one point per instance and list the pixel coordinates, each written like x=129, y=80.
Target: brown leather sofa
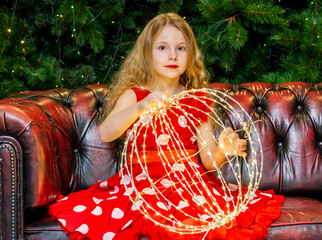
x=49, y=145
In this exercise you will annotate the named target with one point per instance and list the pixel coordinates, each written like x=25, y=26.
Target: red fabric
x=192, y=112
x=105, y=211
x=154, y=156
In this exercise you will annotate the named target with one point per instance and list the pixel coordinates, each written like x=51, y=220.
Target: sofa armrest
x=24, y=121
x=11, y=189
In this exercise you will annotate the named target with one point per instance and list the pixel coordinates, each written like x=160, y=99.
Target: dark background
x=47, y=44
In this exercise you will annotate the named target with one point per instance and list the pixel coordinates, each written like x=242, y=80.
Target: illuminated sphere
x=211, y=212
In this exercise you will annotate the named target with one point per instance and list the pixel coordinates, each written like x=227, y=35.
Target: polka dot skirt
x=105, y=211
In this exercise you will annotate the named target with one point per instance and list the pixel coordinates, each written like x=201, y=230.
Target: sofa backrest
x=72, y=157
x=58, y=133
x=288, y=119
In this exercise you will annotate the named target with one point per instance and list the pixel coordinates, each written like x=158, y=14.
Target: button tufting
x=76, y=151
x=280, y=144
x=259, y=109
x=299, y=108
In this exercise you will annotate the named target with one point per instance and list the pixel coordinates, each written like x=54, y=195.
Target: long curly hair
x=137, y=69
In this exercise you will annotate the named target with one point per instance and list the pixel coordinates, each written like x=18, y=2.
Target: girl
x=164, y=61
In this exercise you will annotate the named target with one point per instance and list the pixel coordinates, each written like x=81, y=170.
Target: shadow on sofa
x=49, y=145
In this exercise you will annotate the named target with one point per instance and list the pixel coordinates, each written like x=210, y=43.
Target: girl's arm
x=206, y=133
x=125, y=112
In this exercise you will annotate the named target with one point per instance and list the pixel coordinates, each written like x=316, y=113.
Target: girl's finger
x=242, y=153
x=241, y=142
x=233, y=136
x=242, y=147
x=229, y=130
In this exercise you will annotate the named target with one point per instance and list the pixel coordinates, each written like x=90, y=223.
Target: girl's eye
x=162, y=48
x=181, y=49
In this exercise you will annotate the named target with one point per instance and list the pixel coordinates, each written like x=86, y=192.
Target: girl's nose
x=172, y=54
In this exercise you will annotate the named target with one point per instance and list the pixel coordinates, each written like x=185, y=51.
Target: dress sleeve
x=199, y=105
x=204, y=104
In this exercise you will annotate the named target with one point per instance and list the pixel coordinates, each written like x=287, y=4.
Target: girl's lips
x=172, y=66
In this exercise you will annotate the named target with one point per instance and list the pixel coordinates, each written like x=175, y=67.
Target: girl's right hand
x=230, y=143
x=154, y=101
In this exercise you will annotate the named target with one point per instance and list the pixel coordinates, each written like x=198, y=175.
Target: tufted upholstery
x=49, y=145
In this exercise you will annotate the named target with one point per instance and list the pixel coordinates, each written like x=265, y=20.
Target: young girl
x=164, y=61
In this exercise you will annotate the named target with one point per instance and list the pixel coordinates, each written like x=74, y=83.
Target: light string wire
x=151, y=120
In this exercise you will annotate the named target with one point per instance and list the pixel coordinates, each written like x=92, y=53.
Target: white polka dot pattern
x=183, y=204
x=149, y=191
x=255, y=201
x=199, y=199
x=128, y=192
x=232, y=187
x=141, y=176
x=204, y=217
x=108, y=236
x=97, y=211
x=79, y=208
x=166, y=183
x=182, y=121
x=117, y=213
x=103, y=185
x=114, y=197
x=179, y=167
x=216, y=192
x=163, y=139
x=193, y=139
x=127, y=224
x=125, y=180
x=63, y=222
x=116, y=189
x=96, y=200
x=266, y=194
x=63, y=199
x=82, y=229
x=162, y=205
x=136, y=205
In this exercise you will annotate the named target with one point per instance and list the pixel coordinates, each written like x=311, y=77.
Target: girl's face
x=169, y=54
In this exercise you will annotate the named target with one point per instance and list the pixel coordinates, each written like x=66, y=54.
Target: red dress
x=105, y=211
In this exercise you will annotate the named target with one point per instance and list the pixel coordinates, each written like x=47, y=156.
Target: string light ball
x=185, y=179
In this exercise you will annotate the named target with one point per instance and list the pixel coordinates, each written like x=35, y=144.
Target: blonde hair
x=137, y=69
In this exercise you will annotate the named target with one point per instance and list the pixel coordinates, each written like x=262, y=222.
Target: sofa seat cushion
x=300, y=210
x=44, y=228
x=301, y=218
x=298, y=215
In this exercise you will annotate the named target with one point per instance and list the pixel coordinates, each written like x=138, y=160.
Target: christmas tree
x=46, y=44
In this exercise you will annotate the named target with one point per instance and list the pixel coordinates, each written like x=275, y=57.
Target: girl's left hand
x=238, y=147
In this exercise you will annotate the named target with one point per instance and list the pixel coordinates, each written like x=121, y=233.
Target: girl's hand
x=154, y=101
x=238, y=147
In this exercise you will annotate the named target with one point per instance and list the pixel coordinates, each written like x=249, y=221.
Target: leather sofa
x=49, y=144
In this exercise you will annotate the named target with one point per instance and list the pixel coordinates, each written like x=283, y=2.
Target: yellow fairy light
x=178, y=178
x=9, y=30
